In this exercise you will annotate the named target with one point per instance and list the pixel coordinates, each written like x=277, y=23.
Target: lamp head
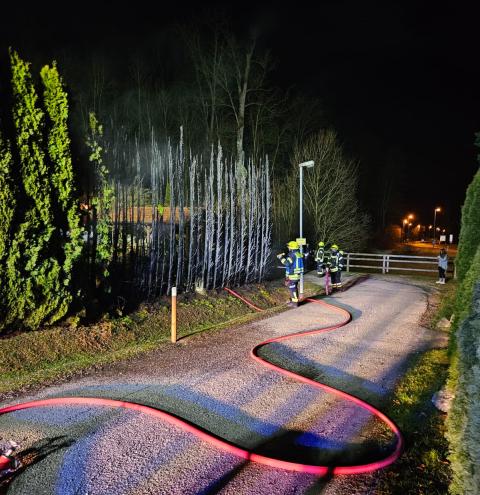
x=308, y=164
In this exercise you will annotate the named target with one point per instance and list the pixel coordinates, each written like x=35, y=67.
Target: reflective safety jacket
x=333, y=260
x=320, y=255
x=293, y=262
x=336, y=260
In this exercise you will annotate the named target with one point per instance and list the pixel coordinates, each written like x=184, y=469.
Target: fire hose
x=229, y=447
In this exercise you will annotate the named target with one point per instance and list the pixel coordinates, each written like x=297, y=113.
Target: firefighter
x=293, y=262
x=336, y=263
x=320, y=259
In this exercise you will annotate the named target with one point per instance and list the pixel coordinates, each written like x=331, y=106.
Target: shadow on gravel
x=286, y=357
x=264, y=436
x=35, y=454
x=219, y=484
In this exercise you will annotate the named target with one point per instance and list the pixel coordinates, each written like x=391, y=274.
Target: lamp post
x=409, y=219
x=434, y=222
x=308, y=164
x=405, y=222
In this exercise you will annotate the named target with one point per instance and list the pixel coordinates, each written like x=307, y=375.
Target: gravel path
x=210, y=380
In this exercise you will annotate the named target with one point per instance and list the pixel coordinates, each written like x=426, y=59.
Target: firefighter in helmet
x=320, y=259
x=293, y=262
x=336, y=263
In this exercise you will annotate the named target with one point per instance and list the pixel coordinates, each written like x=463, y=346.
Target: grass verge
x=423, y=468
x=41, y=357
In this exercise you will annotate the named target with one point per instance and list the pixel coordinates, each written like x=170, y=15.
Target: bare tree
x=332, y=210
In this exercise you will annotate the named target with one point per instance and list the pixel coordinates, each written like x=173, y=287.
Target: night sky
x=399, y=81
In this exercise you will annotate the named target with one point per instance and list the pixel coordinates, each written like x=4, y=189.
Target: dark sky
x=399, y=81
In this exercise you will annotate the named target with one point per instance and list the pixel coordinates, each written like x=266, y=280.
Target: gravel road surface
x=210, y=380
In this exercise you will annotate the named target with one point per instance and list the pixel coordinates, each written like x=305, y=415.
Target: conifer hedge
x=7, y=209
x=464, y=419
x=463, y=425
x=42, y=240
x=470, y=230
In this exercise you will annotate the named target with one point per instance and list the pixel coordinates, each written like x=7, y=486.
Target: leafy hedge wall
x=464, y=418
x=463, y=425
x=40, y=239
x=470, y=229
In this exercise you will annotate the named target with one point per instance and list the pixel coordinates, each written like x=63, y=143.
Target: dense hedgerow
x=102, y=202
x=469, y=238
x=7, y=210
x=41, y=245
x=464, y=418
x=463, y=425
x=62, y=176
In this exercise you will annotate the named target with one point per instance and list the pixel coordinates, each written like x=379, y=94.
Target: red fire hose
x=233, y=449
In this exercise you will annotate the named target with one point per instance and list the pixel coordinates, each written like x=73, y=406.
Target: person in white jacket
x=442, y=266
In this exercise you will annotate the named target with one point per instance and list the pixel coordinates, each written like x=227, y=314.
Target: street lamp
x=438, y=209
x=405, y=221
x=308, y=164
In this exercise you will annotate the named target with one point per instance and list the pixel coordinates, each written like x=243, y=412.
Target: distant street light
x=308, y=164
x=405, y=222
x=438, y=209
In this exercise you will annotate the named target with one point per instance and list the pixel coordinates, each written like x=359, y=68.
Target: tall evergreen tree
x=470, y=230
x=62, y=175
x=102, y=202
x=35, y=290
x=7, y=210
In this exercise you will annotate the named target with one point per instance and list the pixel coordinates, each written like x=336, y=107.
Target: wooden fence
x=397, y=262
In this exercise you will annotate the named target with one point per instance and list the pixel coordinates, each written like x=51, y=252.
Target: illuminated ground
x=210, y=380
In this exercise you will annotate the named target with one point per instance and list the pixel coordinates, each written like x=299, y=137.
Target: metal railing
x=390, y=262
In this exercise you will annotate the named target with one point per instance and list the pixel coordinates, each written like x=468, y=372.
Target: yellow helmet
x=321, y=244
x=334, y=246
x=292, y=245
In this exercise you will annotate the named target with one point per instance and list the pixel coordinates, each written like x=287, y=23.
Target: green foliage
x=102, y=202
x=470, y=230
x=7, y=199
x=34, y=289
x=7, y=210
x=36, y=254
x=463, y=421
x=62, y=176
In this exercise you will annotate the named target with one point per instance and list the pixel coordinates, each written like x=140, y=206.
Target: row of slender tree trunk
x=178, y=219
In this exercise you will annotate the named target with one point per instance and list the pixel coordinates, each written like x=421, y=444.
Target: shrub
x=470, y=230
x=7, y=210
x=62, y=177
x=463, y=422
x=41, y=244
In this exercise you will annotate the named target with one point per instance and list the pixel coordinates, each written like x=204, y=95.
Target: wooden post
x=174, y=315
x=348, y=262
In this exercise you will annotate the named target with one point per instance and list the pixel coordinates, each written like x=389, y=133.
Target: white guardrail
x=390, y=262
